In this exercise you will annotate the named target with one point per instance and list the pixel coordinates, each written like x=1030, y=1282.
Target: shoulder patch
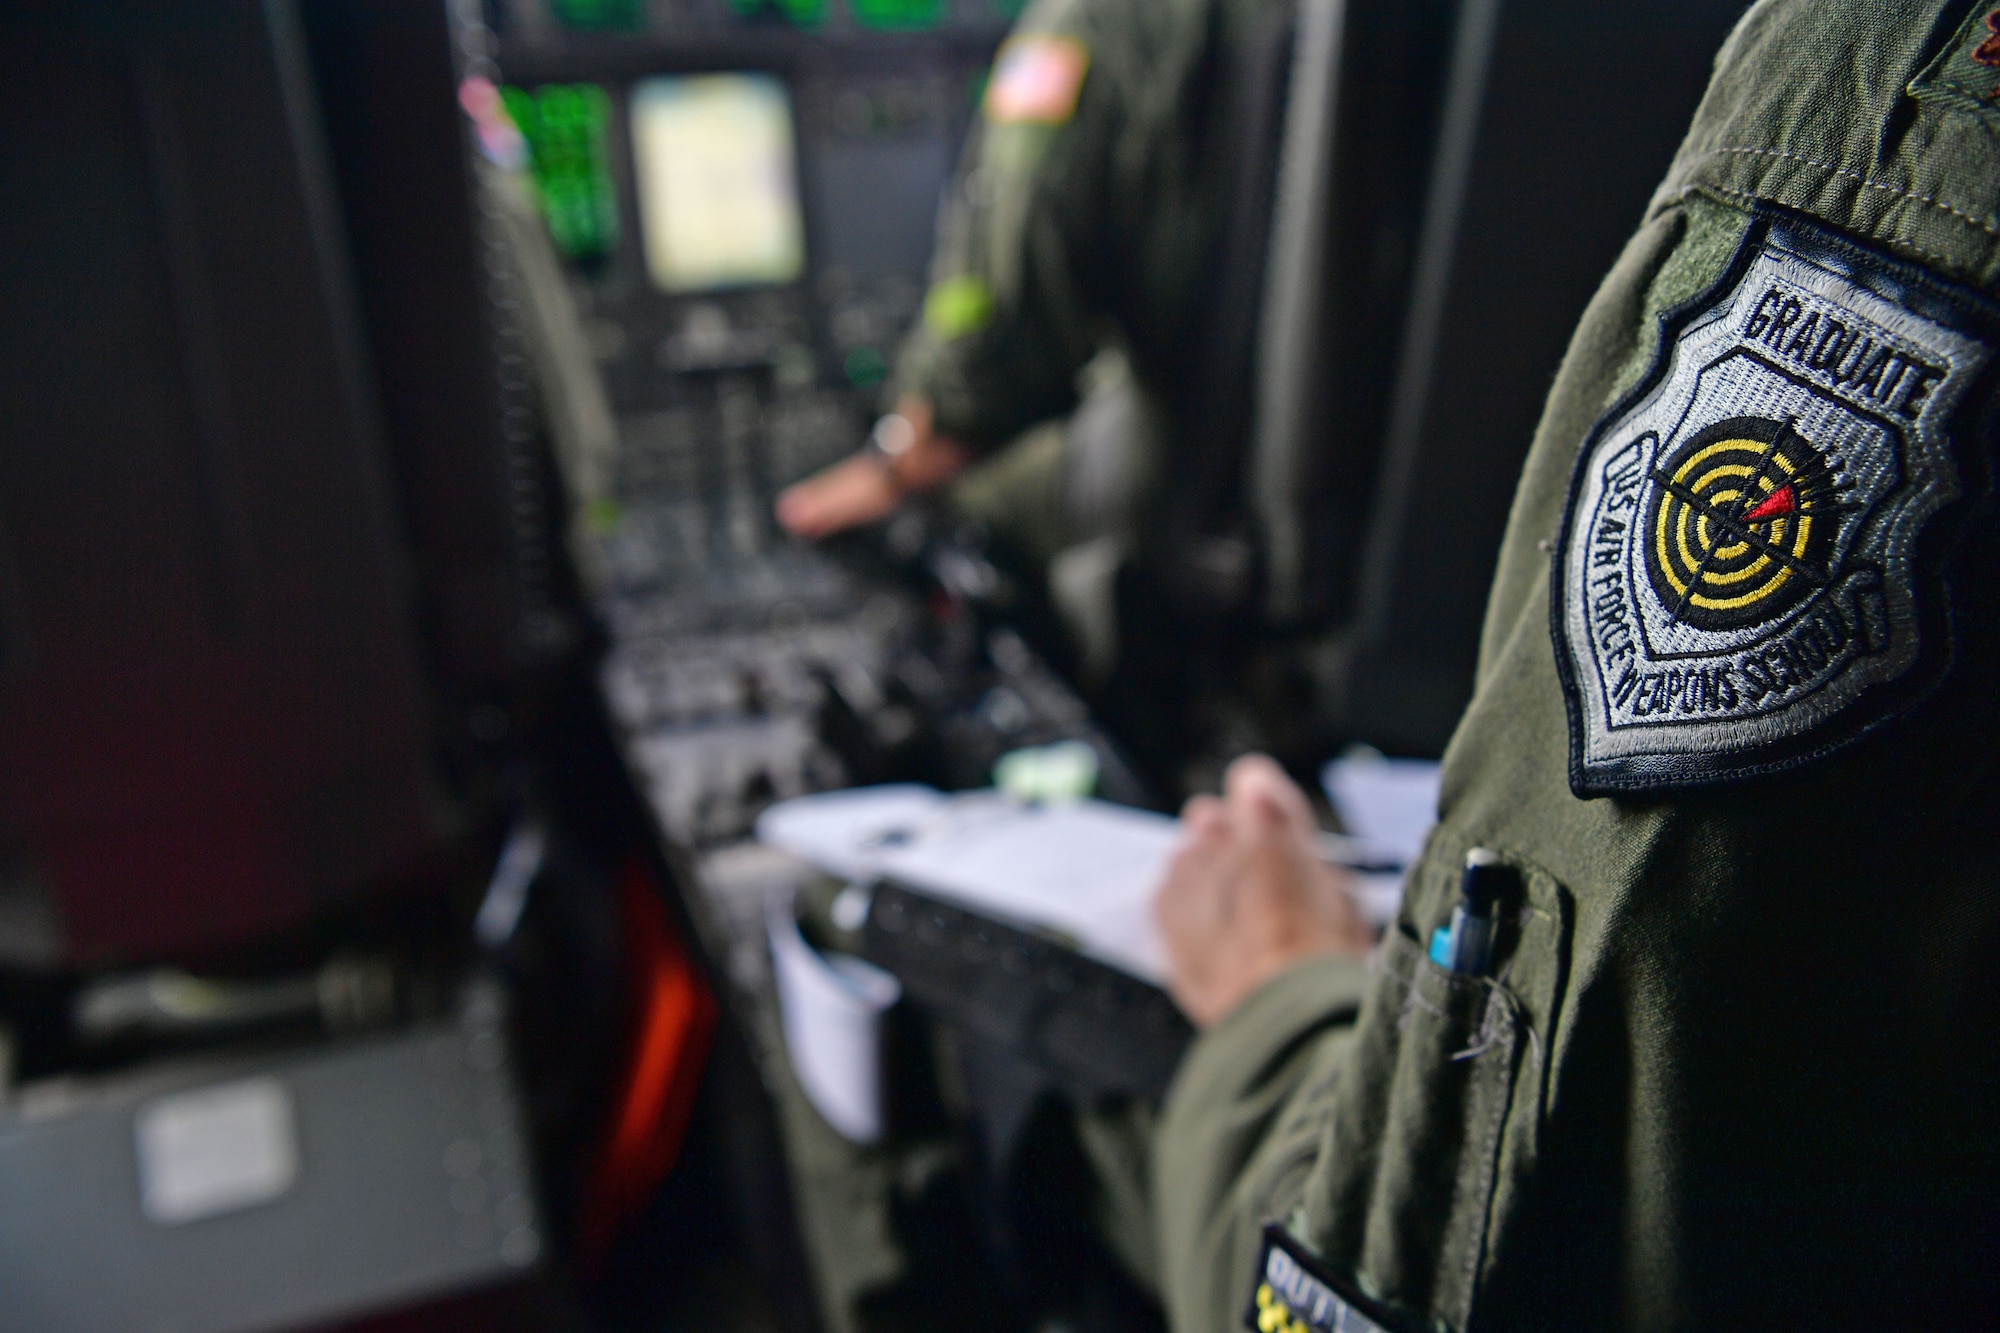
x=1296, y=1294
x=1967, y=73
x=1036, y=80
x=957, y=306
x=1738, y=588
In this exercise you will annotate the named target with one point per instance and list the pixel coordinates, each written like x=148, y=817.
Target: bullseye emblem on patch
x=1738, y=585
x=1740, y=524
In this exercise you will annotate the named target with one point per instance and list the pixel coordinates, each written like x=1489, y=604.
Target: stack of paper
x=1086, y=870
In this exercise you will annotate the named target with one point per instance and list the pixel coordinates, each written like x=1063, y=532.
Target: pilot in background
x=1063, y=357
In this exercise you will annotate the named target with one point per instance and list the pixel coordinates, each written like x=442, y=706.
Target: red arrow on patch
x=1988, y=51
x=1777, y=504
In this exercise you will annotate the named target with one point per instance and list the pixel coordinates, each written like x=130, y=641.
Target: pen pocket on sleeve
x=1440, y=1110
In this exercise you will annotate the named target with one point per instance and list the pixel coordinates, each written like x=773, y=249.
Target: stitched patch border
x=1747, y=577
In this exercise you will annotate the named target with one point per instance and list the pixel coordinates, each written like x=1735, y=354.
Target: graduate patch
x=1294, y=1294
x=1036, y=80
x=1737, y=586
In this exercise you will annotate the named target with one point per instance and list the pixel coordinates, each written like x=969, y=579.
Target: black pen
x=1356, y=855
x=1466, y=945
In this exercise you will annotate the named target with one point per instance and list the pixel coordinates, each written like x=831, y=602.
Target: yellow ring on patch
x=1681, y=530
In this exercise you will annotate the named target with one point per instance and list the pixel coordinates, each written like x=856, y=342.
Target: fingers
x=795, y=509
x=1191, y=870
x=1245, y=895
x=1203, y=819
x=800, y=508
x=1196, y=893
x=867, y=487
x=1258, y=790
x=846, y=495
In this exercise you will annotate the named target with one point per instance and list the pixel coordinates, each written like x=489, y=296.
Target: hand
x=1246, y=896
x=852, y=493
x=867, y=487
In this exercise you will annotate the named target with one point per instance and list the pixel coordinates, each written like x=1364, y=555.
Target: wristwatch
x=894, y=435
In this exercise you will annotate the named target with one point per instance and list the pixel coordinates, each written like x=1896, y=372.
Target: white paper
x=1388, y=807
x=832, y=1011
x=1377, y=897
x=848, y=833
x=216, y=1150
x=1385, y=803
x=1086, y=869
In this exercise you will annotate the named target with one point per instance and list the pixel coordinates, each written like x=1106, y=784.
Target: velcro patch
x=957, y=306
x=1036, y=80
x=1296, y=1294
x=1737, y=589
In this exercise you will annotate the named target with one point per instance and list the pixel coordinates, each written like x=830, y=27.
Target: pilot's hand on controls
x=1246, y=895
x=906, y=457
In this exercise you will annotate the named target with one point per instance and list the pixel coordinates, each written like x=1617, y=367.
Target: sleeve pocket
x=1440, y=1109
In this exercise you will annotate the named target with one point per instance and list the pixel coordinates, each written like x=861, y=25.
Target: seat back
x=1327, y=114
x=1558, y=119
x=217, y=707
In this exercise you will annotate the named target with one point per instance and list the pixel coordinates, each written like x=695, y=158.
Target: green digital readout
x=898, y=13
x=865, y=367
x=893, y=15
x=597, y=15
x=565, y=126
x=803, y=13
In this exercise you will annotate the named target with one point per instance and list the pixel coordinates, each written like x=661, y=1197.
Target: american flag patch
x=1036, y=81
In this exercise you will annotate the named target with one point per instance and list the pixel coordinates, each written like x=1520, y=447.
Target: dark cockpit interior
x=402, y=661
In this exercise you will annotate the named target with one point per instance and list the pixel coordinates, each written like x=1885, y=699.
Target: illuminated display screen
x=805, y=13
x=589, y=15
x=898, y=13
x=565, y=126
x=717, y=184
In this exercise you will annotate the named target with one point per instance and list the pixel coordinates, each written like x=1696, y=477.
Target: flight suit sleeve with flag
x=1735, y=729
x=1013, y=312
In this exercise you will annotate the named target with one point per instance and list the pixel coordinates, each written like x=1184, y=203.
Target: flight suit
x=1077, y=262
x=1087, y=213
x=1735, y=729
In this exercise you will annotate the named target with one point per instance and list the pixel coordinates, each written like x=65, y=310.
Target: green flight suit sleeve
x=1240, y=1129
x=1014, y=309
x=1723, y=1075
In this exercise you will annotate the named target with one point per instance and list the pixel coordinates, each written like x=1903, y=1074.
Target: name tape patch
x=1036, y=80
x=1295, y=1294
x=1737, y=576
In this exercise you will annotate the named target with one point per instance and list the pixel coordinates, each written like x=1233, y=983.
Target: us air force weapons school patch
x=1294, y=1294
x=1742, y=583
